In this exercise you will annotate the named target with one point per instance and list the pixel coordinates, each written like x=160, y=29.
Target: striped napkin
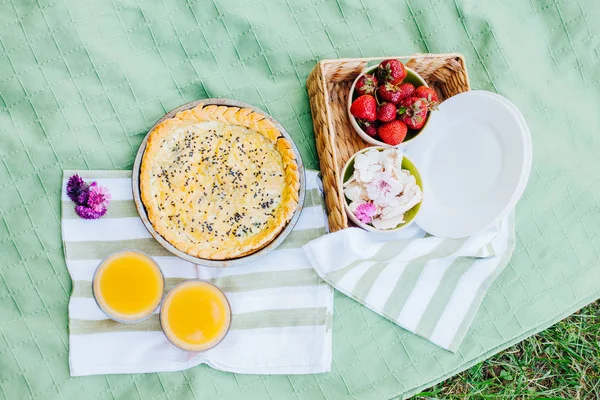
x=428, y=285
x=282, y=310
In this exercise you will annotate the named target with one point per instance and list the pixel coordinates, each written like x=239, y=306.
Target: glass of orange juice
x=195, y=315
x=128, y=286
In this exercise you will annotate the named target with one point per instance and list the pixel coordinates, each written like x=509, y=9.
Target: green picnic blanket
x=81, y=82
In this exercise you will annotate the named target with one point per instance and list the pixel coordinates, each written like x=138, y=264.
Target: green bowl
x=409, y=216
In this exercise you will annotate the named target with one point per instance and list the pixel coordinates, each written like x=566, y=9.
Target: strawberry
x=413, y=112
x=428, y=94
x=406, y=90
x=367, y=84
x=389, y=93
x=386, y=112
x=393, y=133
x=370, y=128
x=413, y=104
x=391, y=71
x=416, y=120
x=364, y=107
x=405, y=103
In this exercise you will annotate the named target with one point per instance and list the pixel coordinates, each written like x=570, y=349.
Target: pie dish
x=218, y=182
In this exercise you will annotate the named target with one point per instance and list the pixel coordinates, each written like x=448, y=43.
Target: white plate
x=474, y=159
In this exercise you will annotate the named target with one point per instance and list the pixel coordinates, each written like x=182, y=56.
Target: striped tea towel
x=427, y=285
x=281, y=309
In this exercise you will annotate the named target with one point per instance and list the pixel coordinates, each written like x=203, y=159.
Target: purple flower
x=86, y=212
x=365, y=212
x=77, y=190
x=90, y=200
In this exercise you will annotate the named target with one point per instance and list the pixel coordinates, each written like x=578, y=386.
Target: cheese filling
x=217, y=184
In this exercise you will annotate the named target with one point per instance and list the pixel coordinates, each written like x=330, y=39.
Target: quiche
x=219, y=182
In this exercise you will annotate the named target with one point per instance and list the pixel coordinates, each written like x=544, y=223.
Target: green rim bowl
x=409, y=216
x=411, y=77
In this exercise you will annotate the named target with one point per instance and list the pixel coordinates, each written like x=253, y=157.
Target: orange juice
x=128, y=286
x=195, y=315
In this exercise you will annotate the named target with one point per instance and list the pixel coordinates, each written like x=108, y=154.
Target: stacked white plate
x=475, y=160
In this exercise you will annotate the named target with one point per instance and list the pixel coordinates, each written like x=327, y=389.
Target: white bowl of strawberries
x=389, y=104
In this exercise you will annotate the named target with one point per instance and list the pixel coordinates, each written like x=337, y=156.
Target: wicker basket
x=328, y=87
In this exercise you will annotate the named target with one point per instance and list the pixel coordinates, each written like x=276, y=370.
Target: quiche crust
x=219, y=182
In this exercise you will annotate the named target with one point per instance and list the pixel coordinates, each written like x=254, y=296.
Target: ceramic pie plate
x=201, y=261
x=475, y=160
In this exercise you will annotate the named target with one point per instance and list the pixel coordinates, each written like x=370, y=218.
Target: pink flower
x=365, y=212
x=98, y=198
x=384, y=188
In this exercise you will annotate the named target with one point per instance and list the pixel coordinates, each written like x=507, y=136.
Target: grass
x=562, y=362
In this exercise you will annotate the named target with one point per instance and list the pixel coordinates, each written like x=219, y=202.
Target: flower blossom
x=365, y=212
x=91, y=200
